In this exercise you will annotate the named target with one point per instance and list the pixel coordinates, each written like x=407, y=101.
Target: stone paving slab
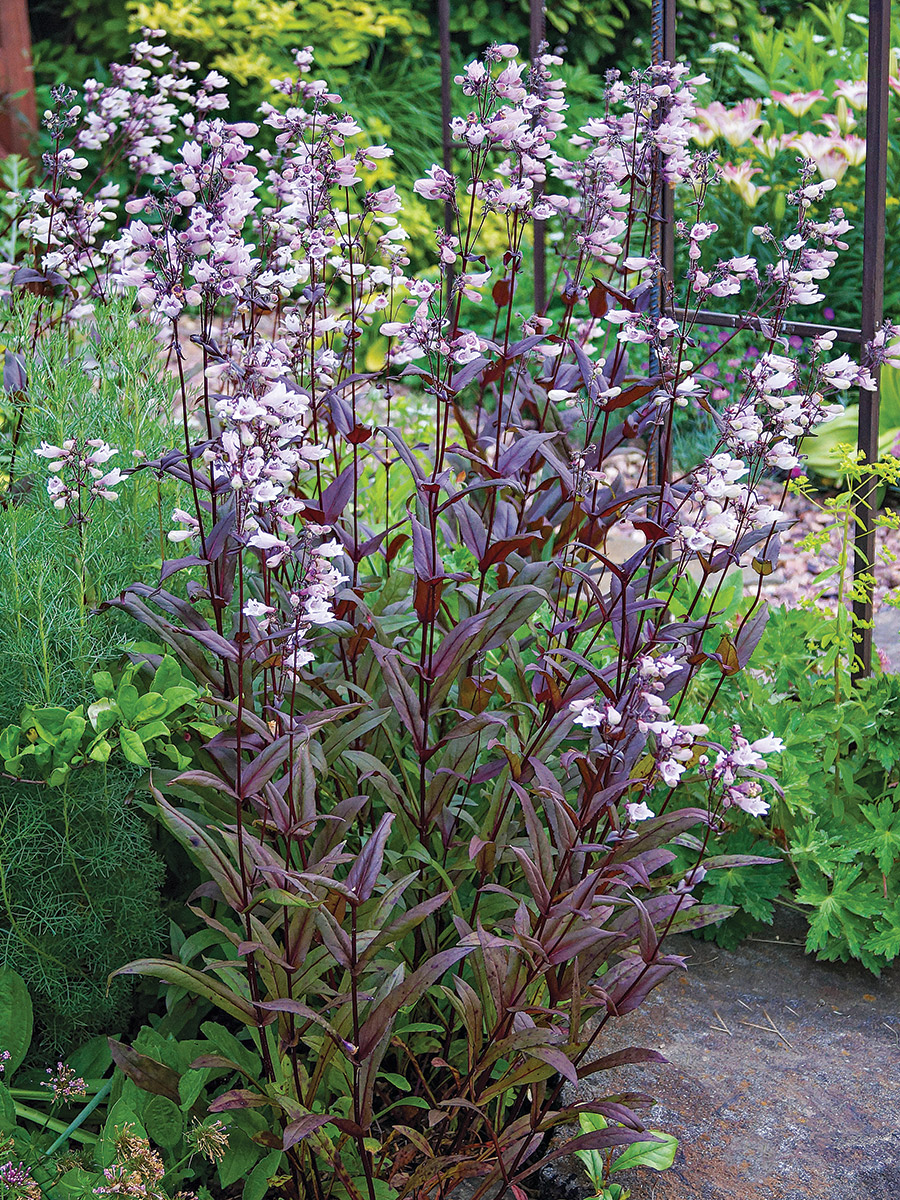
x=810, y=1112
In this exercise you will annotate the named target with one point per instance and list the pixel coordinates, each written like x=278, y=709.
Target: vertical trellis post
x=446, y=102
x=18, y=117
x=662, y=231
x=872, y=306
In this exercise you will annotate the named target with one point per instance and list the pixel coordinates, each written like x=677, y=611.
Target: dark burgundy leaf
x=501, y=292
x=365, y=870
x=147, y=1073
x=15, y=377
x=303, y=1127
x=172, y=565
x=621, y=1058
x=426, y=560
x=522, y=451
x=471, y=370
x=260, y=770
x=337, y=495
x=236, y=1099
x=749, y=635
x=378, y=1021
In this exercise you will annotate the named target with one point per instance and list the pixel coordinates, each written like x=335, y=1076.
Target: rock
x=783, y=1081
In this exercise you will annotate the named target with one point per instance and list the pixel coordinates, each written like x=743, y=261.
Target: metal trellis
x=663, y=49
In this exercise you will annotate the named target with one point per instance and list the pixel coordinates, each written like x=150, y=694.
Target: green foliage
x=599, y=36
x=658, y=1154
x=78, y=1131
x=249, y=41
x=50, y=743
x=16, y=1019
x=79, y=895
x=79, y=881
x=752, y=891
x=109, y=385
x=825, y=453
x=837, y=820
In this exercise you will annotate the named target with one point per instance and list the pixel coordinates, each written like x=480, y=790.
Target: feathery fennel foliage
x=79, y=882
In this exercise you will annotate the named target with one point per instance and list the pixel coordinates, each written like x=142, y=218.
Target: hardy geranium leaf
x=881, y=838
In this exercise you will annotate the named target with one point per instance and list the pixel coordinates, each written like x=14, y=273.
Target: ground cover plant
x=835, y=817
x=434, y=826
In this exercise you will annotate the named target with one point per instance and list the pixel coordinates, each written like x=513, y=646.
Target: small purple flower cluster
x=64, y=1084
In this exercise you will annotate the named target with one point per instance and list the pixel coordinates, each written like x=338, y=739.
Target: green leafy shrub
x=836, y=821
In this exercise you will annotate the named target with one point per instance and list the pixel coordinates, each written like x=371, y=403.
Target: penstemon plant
x=435, y=819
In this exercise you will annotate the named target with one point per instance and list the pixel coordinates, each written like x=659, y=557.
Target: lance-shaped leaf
x=297, y=1130
x=402, y=925
x=147, y=1073
x=402, y=696
x=749, y=634
x=408, y=992
x=620, y=1058
x=364, y=873
x=263, y=766
x=297, y=1008
x=239, y=1098
x=195, y=982
x=201, y=846
x=600, y=1139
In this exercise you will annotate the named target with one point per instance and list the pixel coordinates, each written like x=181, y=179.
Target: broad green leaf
x=154, y=729
x=167, y=675
x=103, y=714
x=104, y=684
x=7, y=1110
x=658, y=1155
x=232, y=1048
x=74, y=1184
x=100, y=750
x=16, y=1021
x=257, y=1183
x=133, y=747
x=9, y=741
x=163, y=1121
x=190, y=1085
x=177, y=697
x=241, y=1155
x=120, y=1115
x=150, y=707
x=127, y=697
x=48, y=721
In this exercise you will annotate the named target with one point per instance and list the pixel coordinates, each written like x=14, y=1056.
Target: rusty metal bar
x=662, y=227
x=845, y=334
x=872, y=305
x=537, y=36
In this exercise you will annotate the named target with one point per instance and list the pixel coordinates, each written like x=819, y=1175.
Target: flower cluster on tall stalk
x=451, y=727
